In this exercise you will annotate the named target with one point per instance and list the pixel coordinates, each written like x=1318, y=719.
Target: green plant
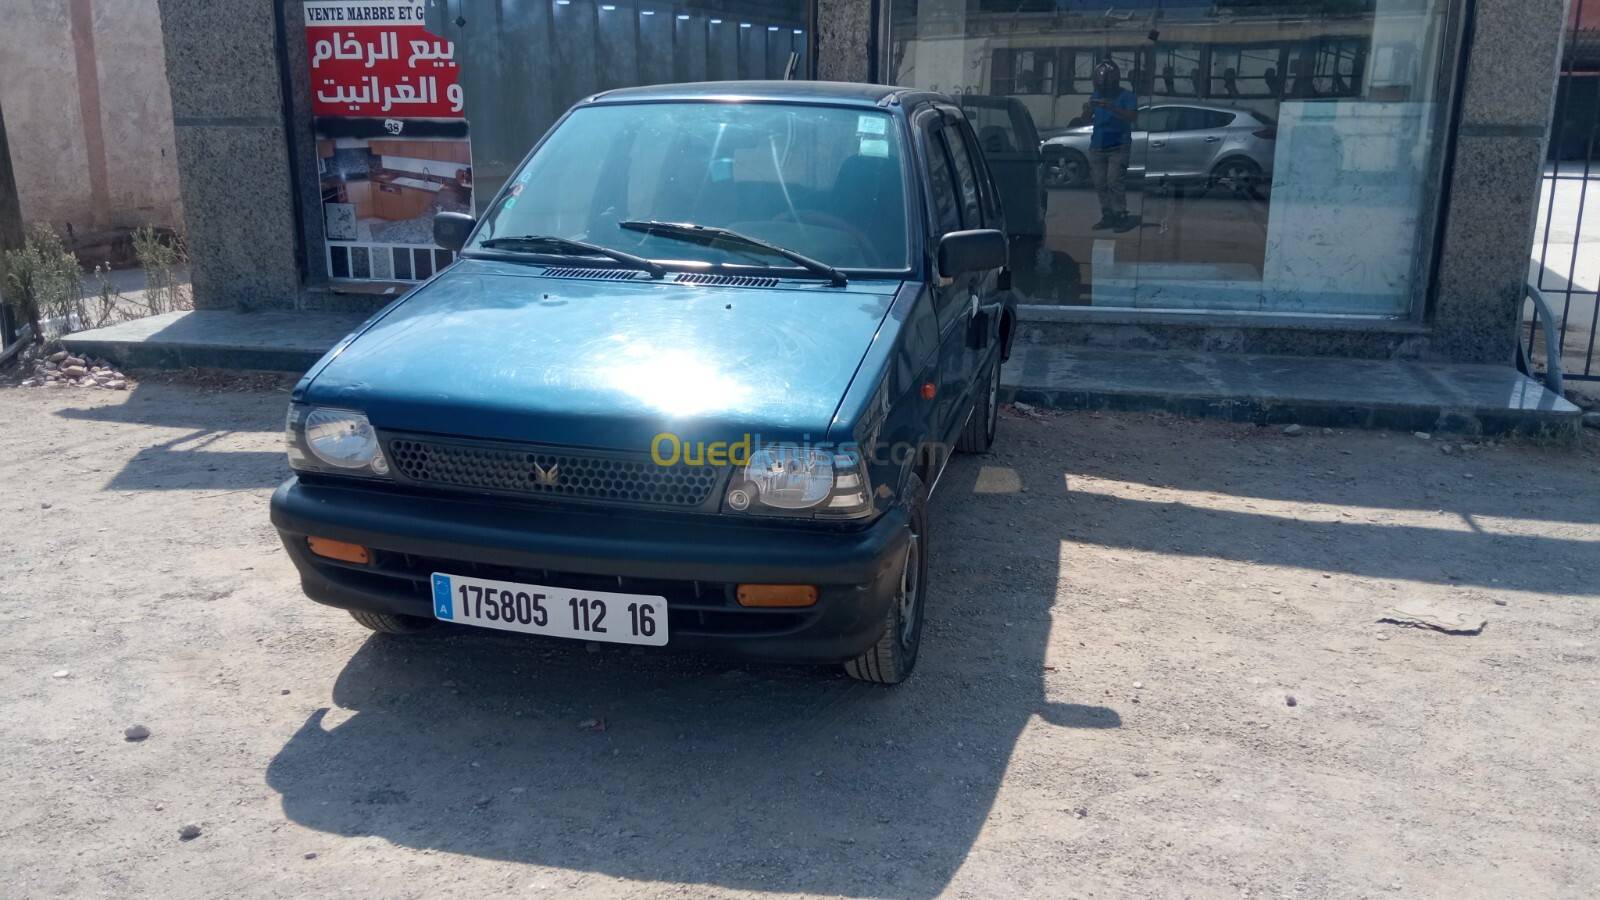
x=161, y=255
x=44, y=282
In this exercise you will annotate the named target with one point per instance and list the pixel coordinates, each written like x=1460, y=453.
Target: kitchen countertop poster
x=391, y=132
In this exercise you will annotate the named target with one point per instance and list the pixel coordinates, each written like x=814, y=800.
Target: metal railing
x=1566, y=274
x=1553, y=376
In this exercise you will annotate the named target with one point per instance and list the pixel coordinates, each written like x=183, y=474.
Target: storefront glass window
x=1277, y=157
x=523, y=64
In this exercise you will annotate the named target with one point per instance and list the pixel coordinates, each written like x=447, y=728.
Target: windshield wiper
x=569, y=247
x=710, y=235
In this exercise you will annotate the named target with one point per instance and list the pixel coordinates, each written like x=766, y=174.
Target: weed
x=160, y=255
x=44, y=284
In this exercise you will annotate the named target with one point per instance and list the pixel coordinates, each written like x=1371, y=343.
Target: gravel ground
x=1123, y=607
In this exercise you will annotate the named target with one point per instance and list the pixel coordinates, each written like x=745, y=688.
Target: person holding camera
x=1113, y=109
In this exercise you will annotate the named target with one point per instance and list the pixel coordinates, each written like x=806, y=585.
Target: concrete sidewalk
x=1344, y=393
x=1285, y=390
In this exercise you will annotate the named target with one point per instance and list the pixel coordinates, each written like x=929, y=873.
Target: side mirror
x=451, y=230
x=978, y=250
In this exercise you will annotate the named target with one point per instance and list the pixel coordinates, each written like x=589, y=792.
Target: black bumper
x=694, y=562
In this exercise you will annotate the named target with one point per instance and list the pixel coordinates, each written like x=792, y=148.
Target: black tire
x=891, y=660
x=386, y=623
x=1067, y=169
x=1238, y=172
x=978, y=436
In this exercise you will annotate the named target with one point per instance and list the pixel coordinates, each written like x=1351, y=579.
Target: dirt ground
x=1122, y=607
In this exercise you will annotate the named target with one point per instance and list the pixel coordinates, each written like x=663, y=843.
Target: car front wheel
x=1069, y=169
x=978, y=436
x=385, y=623
x=891, y=660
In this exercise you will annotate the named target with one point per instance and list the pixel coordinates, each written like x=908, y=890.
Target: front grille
x=549, y=473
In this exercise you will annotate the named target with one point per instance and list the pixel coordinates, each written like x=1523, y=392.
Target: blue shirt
x=1110, y=129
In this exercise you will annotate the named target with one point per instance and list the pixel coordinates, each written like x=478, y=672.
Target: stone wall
x=84, y=88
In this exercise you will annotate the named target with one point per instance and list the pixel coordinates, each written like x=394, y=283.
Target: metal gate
x=1566, y=263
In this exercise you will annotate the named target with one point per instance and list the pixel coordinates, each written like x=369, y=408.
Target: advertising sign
x=391, y=131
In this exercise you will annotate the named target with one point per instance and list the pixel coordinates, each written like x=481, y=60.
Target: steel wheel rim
x=910, y=584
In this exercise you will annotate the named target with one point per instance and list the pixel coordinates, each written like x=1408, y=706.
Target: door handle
x=1212, y=139
x=1158, y=144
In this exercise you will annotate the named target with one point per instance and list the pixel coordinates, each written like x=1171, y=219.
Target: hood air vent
x=594, y=274
x=728, y=280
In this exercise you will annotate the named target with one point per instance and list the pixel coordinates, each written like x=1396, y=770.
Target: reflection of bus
x=1046, y=61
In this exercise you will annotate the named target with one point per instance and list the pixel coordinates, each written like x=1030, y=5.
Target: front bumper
x=693, y=561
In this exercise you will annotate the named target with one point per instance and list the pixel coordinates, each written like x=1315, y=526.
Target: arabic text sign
x=378, y=59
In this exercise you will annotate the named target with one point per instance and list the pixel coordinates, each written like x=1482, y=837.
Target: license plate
x=553, y=611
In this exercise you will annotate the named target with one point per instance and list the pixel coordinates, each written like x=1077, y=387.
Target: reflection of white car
x=1180, y=143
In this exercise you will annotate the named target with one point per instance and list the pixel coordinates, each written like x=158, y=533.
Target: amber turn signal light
x=777, y=595
x=340, y=550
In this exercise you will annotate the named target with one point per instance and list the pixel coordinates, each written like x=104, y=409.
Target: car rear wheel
x=891, y=660
x=978, y=436
x=385, y=623
x=1069, y=169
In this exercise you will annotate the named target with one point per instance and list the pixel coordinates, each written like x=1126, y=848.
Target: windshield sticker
x=874, y=147
x=510, y=202
x=871, y=124
x=523, y=178
x=516, y=189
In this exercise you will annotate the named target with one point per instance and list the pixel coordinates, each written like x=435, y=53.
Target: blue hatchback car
x=691, y=383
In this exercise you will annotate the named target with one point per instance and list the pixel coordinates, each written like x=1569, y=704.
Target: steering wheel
x=869, y=250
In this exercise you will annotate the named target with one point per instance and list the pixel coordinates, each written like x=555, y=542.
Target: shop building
x=1310, y=177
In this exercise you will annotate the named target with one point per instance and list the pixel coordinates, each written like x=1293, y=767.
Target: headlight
x=788, y=479
x=333, y=440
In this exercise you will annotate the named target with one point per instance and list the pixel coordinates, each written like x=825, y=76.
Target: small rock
x=1140, y=773
x=58, y=356
x=311, y=856
x=45, y=505
x=74, y=371
x=61, y=673
x=1382, y=636
x=1294, y=431
x=189, y=832
x=160, y=807
x=78, y=361
x=589, y=725
x=1023, y=407
x=1138, y=685
x=1498, y=602
x=284, y=692
x=1422, y=435
x=1327, y=431
x=1446, y=449
x=1081, y=813
x=1289, y=699
x=136, y=732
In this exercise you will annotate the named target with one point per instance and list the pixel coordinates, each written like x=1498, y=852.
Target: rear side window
x=946, y=207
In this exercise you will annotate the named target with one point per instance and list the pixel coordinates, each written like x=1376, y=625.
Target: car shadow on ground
x=708, y=770
x=210, y=452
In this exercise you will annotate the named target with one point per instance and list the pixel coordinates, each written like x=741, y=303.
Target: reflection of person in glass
x=1113, y=109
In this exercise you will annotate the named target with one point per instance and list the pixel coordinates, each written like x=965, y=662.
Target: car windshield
x=824, y=182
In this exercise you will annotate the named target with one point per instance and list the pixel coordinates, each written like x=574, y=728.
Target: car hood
x=502, y=351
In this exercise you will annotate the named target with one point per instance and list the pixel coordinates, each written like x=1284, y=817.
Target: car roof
x=834, y=93
x=1213, y=107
